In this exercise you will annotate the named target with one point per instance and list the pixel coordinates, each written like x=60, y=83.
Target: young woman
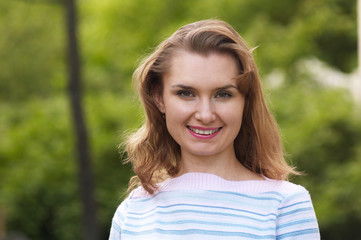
x=208, y=160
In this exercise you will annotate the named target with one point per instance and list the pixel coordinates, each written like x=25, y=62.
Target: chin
x=203, y=153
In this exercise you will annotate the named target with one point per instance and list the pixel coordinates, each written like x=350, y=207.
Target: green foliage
x=38, y=172
x=38, y=183
x=32, y=49
x=37, y=168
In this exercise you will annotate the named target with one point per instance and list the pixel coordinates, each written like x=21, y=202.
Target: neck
x=224, y=165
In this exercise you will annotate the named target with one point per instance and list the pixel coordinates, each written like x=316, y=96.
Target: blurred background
x=307, y=58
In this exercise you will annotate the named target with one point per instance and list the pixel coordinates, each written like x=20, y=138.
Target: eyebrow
x=182, y=86
x=192, y=88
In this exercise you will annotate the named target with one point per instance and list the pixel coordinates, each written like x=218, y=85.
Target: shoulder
x=290, y=193
x=118, y=220
x=296, y=218
x=285, y=187
x=122, y=210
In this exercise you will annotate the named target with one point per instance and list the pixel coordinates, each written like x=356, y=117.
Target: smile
x=203, y=133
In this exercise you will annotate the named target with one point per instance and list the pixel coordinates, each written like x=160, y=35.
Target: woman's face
x=202, y=103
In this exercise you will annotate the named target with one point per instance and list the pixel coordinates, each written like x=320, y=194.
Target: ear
x=158, y=99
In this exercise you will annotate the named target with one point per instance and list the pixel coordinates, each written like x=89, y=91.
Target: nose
x=205, y=112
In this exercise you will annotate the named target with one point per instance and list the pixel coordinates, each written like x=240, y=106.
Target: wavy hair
x=152, y=151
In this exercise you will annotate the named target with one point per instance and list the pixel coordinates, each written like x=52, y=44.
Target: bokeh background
x=307, y=57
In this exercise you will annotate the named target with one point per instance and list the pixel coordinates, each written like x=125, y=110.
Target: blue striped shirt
x=205, y=206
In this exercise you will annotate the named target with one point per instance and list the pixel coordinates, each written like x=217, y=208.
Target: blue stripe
x=201, y=223
x=116, y=227
x=295, y=204
x=203, y=206
x=298, y=233
x=249, y=196
x=206, y=197
x=198, y=231
x=206, y=212
x=310, y=220
x=295, y=211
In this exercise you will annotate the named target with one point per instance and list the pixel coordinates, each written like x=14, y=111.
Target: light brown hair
x=153, y=152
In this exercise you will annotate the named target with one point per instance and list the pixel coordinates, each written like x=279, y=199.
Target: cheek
x=177, y=116
x=232, y=114
x=177, y=110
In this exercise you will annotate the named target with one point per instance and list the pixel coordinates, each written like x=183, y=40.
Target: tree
x=91, y=231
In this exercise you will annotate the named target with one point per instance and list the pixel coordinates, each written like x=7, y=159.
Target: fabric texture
x=205, y=206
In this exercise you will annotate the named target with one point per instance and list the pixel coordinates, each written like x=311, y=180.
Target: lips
x=203, y=133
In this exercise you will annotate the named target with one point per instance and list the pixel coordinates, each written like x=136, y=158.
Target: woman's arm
x=118, y=221
x=296, y=218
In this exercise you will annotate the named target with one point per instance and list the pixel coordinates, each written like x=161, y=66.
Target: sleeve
x=118, y=221
x=296, y=218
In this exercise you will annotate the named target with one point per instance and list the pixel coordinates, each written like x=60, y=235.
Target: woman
x=209, y=157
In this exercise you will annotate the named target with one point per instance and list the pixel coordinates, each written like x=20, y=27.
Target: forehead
x=205, y=70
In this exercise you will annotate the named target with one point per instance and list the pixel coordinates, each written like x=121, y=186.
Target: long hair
x=154, y=154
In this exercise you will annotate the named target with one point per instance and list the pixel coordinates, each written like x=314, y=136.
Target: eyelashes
x=224, y=95
x=185, y=93
x=188, y=94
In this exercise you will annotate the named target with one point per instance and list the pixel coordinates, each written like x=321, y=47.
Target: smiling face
x=202, y=103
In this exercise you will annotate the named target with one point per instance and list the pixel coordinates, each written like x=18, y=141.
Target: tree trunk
x=2, y=222
x=90, y=227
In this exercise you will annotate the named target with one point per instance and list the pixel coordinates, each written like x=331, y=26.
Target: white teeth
x=203, y=132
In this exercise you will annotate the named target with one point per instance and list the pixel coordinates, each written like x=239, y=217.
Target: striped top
x=205, y=206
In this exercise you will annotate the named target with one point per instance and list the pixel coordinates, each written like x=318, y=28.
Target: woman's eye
x=185, y=94
x=223, y=95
